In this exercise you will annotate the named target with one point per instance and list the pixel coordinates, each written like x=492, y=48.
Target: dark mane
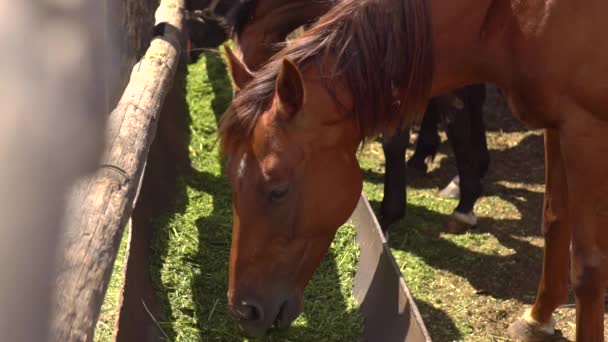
x=381, y=48
x=239, y=15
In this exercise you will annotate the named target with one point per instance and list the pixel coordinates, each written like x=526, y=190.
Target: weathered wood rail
x=99, y=207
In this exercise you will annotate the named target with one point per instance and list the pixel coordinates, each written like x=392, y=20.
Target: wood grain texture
x=129, y=26
x=100, y=206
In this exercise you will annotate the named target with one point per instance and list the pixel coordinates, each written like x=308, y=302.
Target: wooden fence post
x=101, y=205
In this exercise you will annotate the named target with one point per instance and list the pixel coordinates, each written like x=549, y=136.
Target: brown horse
x=369, y=66
x=259, y=27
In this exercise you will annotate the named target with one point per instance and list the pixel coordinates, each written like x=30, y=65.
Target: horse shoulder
x=557, y=59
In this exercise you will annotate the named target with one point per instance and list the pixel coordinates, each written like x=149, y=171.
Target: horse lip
x=280, y=323
x=288, y=312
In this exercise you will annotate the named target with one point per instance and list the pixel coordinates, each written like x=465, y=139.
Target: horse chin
x=252, y=331
x=289, y=311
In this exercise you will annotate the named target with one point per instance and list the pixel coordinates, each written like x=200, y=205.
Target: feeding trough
x=389, y=311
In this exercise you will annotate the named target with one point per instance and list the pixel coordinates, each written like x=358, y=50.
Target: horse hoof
x=527, y=329
x=459, y=223
x=452, y=190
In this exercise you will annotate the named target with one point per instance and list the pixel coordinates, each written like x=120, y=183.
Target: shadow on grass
x=419, y=233
x=506, y=166
x=220, y=83
x=444, y=328
x=178, y=138
x=162, y=240
x=491, y=274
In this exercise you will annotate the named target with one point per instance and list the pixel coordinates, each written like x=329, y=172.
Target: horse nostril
x=248, y=312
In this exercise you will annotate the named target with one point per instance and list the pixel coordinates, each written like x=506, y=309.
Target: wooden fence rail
x=100, y=206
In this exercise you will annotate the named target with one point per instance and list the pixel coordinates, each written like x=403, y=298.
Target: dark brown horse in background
x=369, y=66
x=462, y=113
x=259, y=27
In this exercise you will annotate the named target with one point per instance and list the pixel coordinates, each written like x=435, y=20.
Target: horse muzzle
x=256, y=317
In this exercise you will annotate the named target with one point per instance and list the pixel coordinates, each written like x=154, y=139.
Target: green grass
x=191, y=249
x=468, y=287
x=463, y=284
x=109, y=310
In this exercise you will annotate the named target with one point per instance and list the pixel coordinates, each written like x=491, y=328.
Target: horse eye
x=278, y=193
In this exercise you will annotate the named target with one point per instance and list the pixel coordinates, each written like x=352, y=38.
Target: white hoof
x=452, y=190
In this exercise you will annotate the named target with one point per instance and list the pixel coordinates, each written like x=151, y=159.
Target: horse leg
x=467, y=162
x=478, y=128
x=393, y=203
x=427, y=143
x=585, y=147
x=537, y=323
x=467, y=135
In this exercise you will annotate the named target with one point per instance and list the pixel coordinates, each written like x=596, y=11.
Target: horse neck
x=460, y=47
x=335, y=100
x=273, y=21
x=283, y=13
x=461, y=52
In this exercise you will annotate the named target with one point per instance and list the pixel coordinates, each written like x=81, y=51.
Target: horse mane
x=239, y=15
x=381, y=48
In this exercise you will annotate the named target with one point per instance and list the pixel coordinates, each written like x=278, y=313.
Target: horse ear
x=290, y=88
x=238, y=70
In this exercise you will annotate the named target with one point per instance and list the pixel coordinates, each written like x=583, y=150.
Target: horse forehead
x=267, y=136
